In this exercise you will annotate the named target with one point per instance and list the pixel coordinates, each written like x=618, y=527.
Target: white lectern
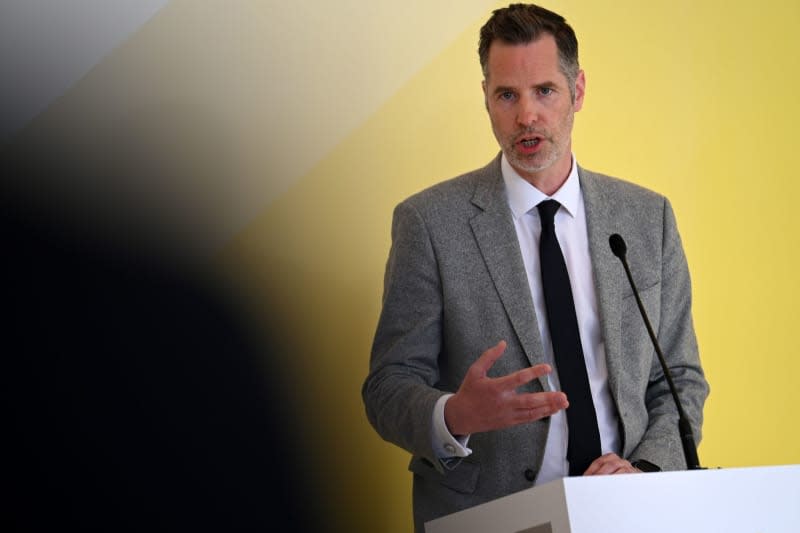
x=733, y=500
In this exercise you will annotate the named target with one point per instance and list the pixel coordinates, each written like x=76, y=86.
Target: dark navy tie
x=583, y=445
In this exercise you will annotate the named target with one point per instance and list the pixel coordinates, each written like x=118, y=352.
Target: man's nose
x=528, y=111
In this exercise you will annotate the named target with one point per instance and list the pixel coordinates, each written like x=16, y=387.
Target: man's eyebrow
x=544, y=84
x=503, y=89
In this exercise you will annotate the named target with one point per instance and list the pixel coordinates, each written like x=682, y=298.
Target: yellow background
x=288, y=132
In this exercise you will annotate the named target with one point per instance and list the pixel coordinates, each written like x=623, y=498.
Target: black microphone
x=619, y=249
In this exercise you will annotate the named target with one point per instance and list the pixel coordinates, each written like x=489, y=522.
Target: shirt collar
x=522, y=196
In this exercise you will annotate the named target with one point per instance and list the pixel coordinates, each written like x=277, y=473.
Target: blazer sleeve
x=661, y=443
x=399, y=392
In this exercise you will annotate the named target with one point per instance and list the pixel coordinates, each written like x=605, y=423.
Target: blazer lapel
x=609, y=282
x=497, y=239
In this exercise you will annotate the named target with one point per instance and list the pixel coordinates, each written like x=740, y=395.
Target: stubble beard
x=532, y=163
x=555, y=144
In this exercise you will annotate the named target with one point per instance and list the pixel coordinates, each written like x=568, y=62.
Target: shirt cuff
x=446, y=445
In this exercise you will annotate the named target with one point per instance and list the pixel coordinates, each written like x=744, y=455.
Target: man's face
x=531, y=109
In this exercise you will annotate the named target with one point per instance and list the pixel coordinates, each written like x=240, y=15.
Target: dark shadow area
x=140, y=397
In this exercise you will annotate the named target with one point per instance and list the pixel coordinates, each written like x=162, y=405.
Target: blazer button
x=530, y=475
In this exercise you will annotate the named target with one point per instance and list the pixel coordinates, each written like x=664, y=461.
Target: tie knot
x=547, y=211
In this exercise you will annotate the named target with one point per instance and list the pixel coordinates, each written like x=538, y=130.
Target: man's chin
x=530, y=165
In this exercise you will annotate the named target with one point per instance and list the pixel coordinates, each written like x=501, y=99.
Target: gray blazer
x=455, y=284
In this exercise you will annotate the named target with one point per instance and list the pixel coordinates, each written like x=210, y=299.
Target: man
x=468, y=369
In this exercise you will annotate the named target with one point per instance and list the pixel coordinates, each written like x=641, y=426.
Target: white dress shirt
x=570, y=225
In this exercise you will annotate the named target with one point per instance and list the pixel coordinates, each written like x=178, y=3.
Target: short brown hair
x=525, y=23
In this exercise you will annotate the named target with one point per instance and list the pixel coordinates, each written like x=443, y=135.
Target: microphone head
x=618, y=246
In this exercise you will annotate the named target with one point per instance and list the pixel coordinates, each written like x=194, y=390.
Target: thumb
x=488, y=358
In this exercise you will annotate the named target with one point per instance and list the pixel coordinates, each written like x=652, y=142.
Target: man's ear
x=485, y=98
x=580, y=90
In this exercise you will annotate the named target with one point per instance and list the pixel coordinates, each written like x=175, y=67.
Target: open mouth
x=530, y=143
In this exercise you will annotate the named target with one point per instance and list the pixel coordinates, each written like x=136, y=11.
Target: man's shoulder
x=458, y=190
x=617, y=189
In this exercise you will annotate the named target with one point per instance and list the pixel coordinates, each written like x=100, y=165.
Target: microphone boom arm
x=684, y=427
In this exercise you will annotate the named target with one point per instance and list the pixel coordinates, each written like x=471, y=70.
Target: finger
x=533, y=414
x=543, y=405
x=488, y=358
x=608, y=468
x=532, y=400
x=522, y=416
x=519, y=378
x=627, y=469
x=619, y=467
x=609, y=463
x=597, y=464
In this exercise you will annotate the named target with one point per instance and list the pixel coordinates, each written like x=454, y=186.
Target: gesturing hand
x=484, y=404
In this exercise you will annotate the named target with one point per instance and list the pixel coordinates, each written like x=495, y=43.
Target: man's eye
x=545, y=91
x=507, y=95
